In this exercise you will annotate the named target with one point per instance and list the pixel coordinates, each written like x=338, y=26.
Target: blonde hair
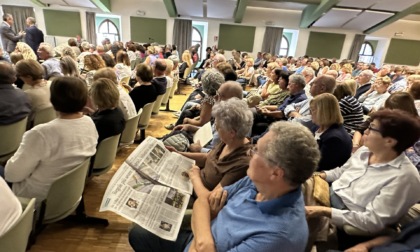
x=107, y=73
x=335, y=66
x=352, y=84
x=384, y=80
x=25, y=50
x=250, y=59
x=315, y=65
x=169, y=67
x=327, y=110
x=347, y=67
x=104, y=93
x=273, y=65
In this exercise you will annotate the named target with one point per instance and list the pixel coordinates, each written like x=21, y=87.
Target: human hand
x=195, y=147
x=317, y=211
x=358, y=248
x=322, y=175
x=126, y=86
x=171, y=148
x=194, y=172
x=217, y=200
x=183, y=127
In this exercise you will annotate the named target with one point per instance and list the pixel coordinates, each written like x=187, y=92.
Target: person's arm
x=205, y=116
x=22, y=164
x=10, y=36
x=366, y=246
x=201, y=226
x=264, y=91
x=187, y=127
x=200, y=158
x=249, y=72
x=291, y=108
x=199, y=188
x=147, y=60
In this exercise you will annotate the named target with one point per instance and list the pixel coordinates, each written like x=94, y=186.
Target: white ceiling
x=74, y=3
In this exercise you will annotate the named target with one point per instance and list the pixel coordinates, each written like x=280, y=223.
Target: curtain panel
x=358, y=41
x=182, y=35
x=20, y=14
x=90, y=27
x=272, y=40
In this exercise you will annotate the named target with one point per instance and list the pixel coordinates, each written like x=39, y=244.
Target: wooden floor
x=65, y=236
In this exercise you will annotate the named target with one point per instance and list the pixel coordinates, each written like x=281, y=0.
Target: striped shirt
x=352, y=113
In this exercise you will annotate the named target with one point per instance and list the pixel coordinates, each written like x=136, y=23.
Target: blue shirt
x=293, y=99
x=246, y=225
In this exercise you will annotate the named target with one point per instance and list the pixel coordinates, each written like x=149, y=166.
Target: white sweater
x=47, y=151
x=10, y=209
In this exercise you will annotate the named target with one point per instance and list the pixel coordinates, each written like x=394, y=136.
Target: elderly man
x=14, y=104
x=261, y=212
x=159, y=81
x=364, y=82
x=51, y=65
x=34, y=36
x=9, y=38
x=299, y=112
x=309, y=75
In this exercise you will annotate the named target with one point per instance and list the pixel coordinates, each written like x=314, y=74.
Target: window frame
x=108, y=22
x=282, y=48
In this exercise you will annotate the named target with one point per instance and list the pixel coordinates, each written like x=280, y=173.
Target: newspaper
x=151, y=188
x=204, y=134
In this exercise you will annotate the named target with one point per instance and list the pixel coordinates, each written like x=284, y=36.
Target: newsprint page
x=151, y=188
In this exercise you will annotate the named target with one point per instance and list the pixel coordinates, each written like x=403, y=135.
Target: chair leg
x=167, y=109
x=81, y=216
x=142, y=135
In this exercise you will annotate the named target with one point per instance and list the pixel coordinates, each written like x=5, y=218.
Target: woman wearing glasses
x=378, y=184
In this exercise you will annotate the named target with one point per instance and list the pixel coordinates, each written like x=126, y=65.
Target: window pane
x=283, y=52
x=362, y=49
x=284, y=43
x=103, y=28
x=112, y=28
x=195, y=35
x=368, y=50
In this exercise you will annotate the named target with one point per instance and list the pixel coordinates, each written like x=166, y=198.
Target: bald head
x=7, y=73
x=230, y=89
x=160, y=67
x=328, y=82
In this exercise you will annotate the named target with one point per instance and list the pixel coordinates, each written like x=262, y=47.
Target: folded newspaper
x=151, y=188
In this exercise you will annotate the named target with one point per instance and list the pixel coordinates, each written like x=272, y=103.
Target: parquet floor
x=65, y=236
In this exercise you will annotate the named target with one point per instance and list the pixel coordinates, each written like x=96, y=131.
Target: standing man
x=9, y=38
x=34, y=36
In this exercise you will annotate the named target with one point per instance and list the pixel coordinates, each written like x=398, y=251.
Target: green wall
x=289, y=36
x=404, y=52
x=236, y=37
x=144, y=28
x=62, y=23
x=116, y=21
x=325, y=45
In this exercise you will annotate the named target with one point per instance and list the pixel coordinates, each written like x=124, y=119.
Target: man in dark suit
x=34, y=36
x=9, y=38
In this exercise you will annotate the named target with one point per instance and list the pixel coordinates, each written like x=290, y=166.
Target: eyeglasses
x=254, y=151
x=370, y=128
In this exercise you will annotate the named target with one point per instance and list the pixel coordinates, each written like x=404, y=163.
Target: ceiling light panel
x=367, y=19
x=223, y=9
x=336, y=17
x=189, y=8
x=394, y=5
x=80, y=3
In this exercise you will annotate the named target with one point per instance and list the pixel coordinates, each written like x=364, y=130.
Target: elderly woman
x=51, y=149
x=375, y=97
x=143, y=92
x=345, y=73
x=333, y=140
x=378, y=184
x=108, y=119
x=228, y=161
x=69, y=66
x=25, y=50
x=258, y=213
x=92, y=63
x=68, y=51
x=211, y=81
x=350, y=108
x=51, y=65
x=125, y=103
x=123, y=66
x=151, y=57
x=37, y=89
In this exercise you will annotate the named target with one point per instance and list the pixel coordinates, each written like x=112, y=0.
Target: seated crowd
x=277, y=123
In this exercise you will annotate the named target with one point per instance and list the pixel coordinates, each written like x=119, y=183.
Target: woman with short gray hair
x=229, y=160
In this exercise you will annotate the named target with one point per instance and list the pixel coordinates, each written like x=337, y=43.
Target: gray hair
x=174, y=59
x=294, y=149
x=85, y=45
x=211, y=81
x=309, y=70
x=31, y=20
x=368, y=73
x=48, y=48
x=219, y=57
x=298, y=79
x=233, y=115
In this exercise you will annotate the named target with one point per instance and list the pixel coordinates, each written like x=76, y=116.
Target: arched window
x=107, y=29
x=197, y=39
x=366, y=53
x=284, y=47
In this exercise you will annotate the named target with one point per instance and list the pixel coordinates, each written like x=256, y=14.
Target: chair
x=156, y=106
x=65, y=194
x=11, y=137
x=165, y=98
x=144, y=119
x=16, y=238
x=44, y=115
x=105, y=155
x=129, y=133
